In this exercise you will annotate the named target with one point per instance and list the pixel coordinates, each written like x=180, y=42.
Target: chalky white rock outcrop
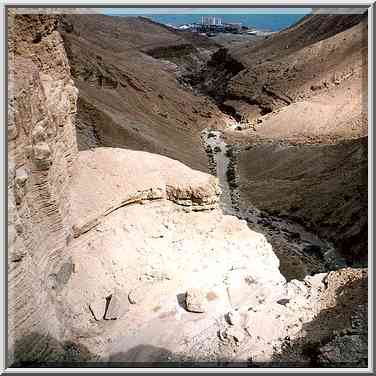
x=105, y=179
x=72, y=240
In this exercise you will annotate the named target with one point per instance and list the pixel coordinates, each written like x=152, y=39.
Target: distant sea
x=272, y=22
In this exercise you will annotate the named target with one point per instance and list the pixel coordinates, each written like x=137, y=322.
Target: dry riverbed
x=301, y=252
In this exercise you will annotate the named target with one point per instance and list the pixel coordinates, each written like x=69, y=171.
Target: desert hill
x=300, y=97
x=129, y=99
x=303, y=61
x=328, y=114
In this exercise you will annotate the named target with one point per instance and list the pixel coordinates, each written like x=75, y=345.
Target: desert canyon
x=175, y=201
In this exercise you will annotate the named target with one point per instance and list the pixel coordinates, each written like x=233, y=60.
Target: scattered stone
x=222, y=335
x=196, y=301
x=138, y=294
x=20, y=181
x=233, y=317
x=283, y=301
x=233, y=333
x=248, y=331
x=316, y=87
x=132, y=297
x=116, y=307
x=156, y=275
x=249, y=280
x=21, y=176
x=75, y=267
x=97, y=308
x=236, y=333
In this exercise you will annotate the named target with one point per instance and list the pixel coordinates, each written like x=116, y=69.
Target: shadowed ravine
x=319, y=254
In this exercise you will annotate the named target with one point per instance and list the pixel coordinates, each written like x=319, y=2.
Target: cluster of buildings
x=212, y=24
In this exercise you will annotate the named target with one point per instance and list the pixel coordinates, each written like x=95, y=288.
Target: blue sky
x=114, y=11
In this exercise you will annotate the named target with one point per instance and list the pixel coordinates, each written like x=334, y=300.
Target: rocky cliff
x=41, y=149
x=120, y=256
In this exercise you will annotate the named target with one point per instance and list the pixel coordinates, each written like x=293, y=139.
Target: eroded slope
x=130, y=99
x=302, y=148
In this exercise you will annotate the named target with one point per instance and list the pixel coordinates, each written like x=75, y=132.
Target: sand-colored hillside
x=129, y=99
x=303, y=148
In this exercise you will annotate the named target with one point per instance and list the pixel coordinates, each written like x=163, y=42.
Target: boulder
x=117, y=307
x=132, y=297
x=137, y=294
x=196, y=301
x=233, y=317
x=97, y=308
x=235, y=333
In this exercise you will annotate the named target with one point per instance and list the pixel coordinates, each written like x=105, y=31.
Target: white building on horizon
x=211, y=21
